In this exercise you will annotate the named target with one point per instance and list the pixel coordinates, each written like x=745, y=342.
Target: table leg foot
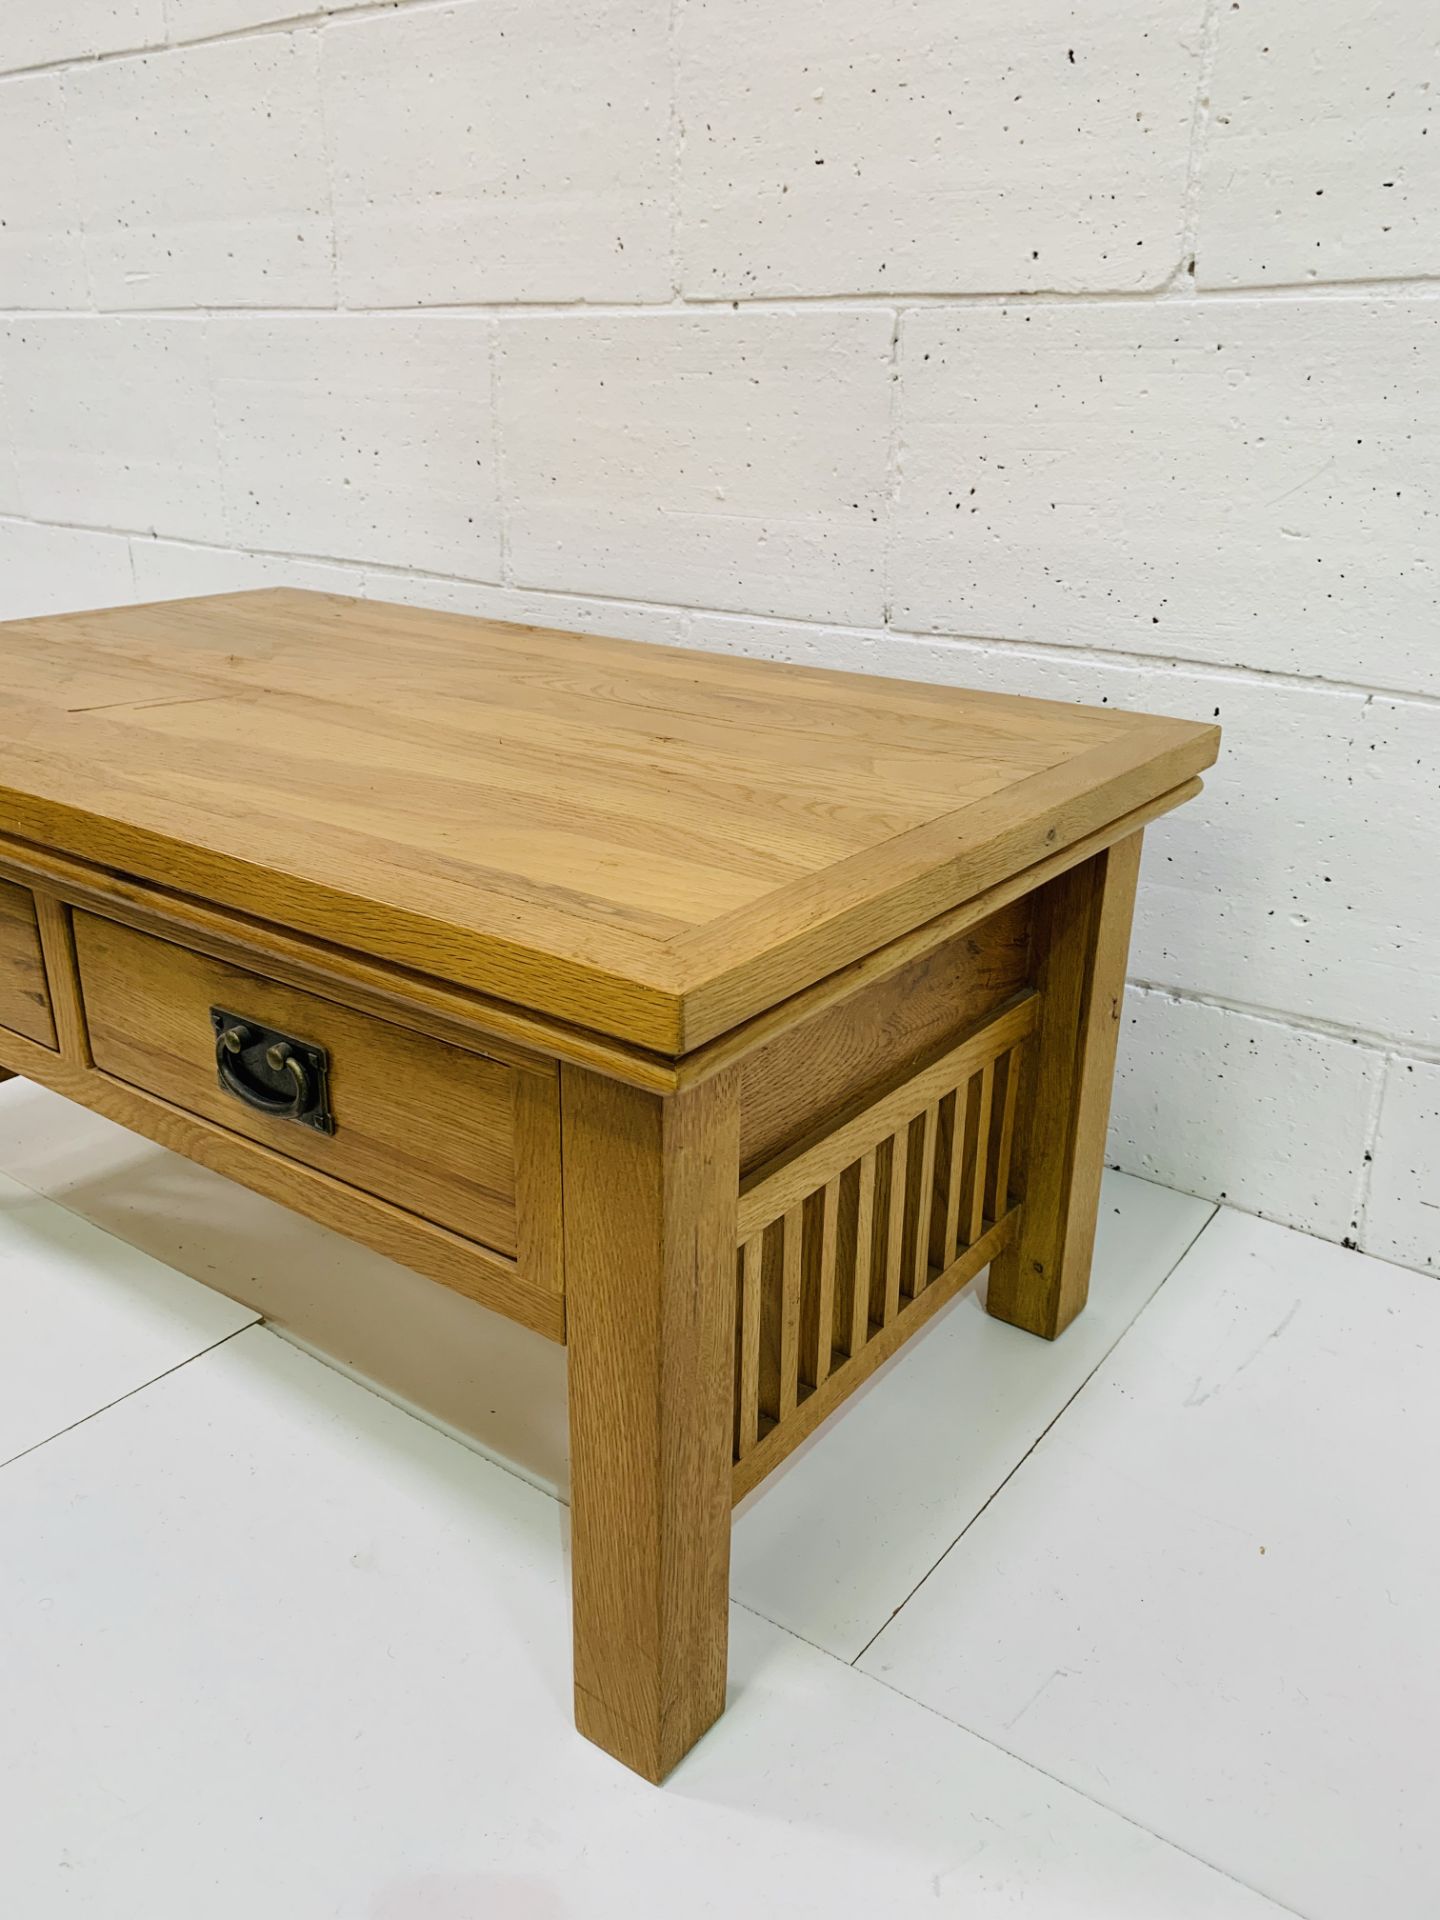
x=651, y=1195
x=1082, y=939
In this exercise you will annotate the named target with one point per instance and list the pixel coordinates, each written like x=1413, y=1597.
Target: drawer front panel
x=24, y=995
x=429, y=1127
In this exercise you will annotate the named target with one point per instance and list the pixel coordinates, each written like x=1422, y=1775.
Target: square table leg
x=1081, y=941
x=650, y=1246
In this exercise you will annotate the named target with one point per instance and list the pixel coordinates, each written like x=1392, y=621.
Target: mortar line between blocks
x=1361, y=1251
x=675, y=134
x=1367, y=1155
x=1422, y=288
x=893, y=466
x=81, y=229
x=314, y=19
x=1058, y=1415
x=222, y=468
x=1200, y=122
x=1088, y=655
x=502, y=475
x=327, y=148
x=1373, y=1042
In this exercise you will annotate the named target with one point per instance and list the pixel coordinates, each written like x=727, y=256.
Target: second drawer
x=427, y=1126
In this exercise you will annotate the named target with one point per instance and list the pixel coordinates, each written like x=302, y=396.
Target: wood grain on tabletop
x=652, y=842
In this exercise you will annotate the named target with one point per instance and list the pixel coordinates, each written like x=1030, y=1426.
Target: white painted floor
x=1135, y=1624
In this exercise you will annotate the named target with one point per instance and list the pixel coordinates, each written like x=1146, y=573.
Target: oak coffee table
x=718, y=1018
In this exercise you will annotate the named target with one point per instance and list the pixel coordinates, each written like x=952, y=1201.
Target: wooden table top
x=646, y=841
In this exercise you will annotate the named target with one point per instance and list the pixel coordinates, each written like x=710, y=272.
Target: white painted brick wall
x=1403, y=1218
x=1228, y=480
x=538, y=171
x=361, y=438
x=61, y=569
x=202, y=176
x=736, y=460
x=33, y=34
x=1324, y=160
x=110, y=422
x=198, y=19
x=42, y=262
x=1203, y=1091
x=10, y=501
x=1085, y=351
x=837, y=146
x=176, y=570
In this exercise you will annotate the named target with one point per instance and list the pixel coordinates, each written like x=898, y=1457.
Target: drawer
x=24, y=994
x=427, y=1126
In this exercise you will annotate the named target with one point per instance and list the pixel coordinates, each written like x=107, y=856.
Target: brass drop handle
x=300, y=1071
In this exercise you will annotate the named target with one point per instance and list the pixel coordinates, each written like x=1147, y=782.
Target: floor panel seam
x=121, y=1398
x=1057, y=1416
x=1069, y=1786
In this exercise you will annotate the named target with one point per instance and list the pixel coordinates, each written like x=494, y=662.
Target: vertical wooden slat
x=749, y=1404
x=895, y=1220
x=905, y=1210
x=957, y=1175
x=845, y=1260
x=924, y=1201
x=968, y=1098
x=976, y=1187
x=940, y=1191
x=829, y=1243
x=864, y=1254
x=792, y=1273
x=737, y=1356
x=772, y=1312
x=999, y=1180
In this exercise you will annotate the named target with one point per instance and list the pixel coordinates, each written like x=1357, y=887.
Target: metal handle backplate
x=272, y=1072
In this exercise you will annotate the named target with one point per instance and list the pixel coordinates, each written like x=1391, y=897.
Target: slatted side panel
x=841, y=1266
